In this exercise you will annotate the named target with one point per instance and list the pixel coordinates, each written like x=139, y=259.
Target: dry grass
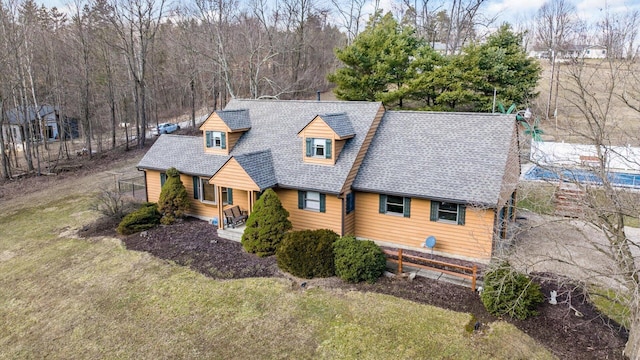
x=623, y=127
x=63, y=297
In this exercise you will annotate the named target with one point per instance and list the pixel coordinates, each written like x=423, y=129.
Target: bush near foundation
x=358, y=260
x=145, y=218
x=266, y=226
x=508, y=292
x=174, y=199
x=307, y=253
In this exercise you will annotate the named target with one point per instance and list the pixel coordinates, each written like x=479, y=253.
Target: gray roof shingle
x=185, y=153
x=259, y=166
x=339, y=123
x=460, y=157
x=235, y=119
x=274, y=126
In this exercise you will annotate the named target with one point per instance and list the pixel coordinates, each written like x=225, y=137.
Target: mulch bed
x=194, y=243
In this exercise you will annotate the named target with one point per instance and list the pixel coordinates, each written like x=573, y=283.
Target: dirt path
x=570, y=248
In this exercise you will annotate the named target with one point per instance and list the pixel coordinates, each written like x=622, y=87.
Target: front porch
x=231, y=233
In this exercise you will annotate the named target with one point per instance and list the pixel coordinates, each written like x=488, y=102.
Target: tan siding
x=214, y=123
x=349, y=219
x=320, y=130
x=305, y=219
x=232, y=139
x=512, y=171
x=196, y=207
x=338, y=145
x=363, y=151
x=472, y=240
x=153, y=185
x=240, y=198
x=233, y=175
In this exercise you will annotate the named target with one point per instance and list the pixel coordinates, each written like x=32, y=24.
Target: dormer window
x=216, y=139
x=319, y=148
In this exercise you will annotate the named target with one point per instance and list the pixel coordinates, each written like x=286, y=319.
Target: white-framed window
x=318, y=148
x=312, y=200
x=207, y=193
x=447, y=212
x=395, y=205
x=216, y=139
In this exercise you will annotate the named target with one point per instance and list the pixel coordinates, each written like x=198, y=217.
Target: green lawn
x=62, y=297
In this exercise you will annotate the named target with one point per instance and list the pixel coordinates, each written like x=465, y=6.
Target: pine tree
x=174, y=200
x=266, y=226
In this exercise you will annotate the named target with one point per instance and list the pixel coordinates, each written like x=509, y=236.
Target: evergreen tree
x=468, y=81
x=266, y=226
x=174, y=199
x=376, y=63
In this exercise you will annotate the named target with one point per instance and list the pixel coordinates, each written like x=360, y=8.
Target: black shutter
x=383, y=204
x=196, y=187
x=461, y=214
x=300, y=199
x=407, y=207
x=323, y=203
x=207, y=135
x=434, y=210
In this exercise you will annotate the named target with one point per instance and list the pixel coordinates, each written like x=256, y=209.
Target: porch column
x=220, y=210
x=249, y=207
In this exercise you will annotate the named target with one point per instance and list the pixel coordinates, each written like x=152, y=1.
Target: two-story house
x=395, y=177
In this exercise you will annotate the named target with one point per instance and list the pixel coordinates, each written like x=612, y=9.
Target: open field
x=65, y=297
x=623, y=125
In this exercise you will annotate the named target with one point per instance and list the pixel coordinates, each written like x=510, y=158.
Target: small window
x=318, y=148
x=447, y=212
x=227, y=196
x=396, y=205
x=311, y=200
x=351, y=202
x=208, y=192
x=216, y=139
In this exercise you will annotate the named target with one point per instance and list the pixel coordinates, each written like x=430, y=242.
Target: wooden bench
x=235, y=216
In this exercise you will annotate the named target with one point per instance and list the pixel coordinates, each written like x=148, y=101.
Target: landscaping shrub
x=112, y=204
x=358, y=260
x=146, y=217
x=307, y=253
x=507, y=292
x=174, y=199
x=266, y=226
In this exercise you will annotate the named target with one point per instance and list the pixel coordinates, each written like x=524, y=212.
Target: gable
x=232, y=175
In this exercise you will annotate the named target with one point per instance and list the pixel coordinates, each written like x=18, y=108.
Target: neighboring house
x=48, y=128
x=585, y=52
x=394, y=177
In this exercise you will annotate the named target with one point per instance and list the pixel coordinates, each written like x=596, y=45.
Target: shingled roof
x=339, y=123
x=457, y=157
x=237, y=119
x=274, y=126
x=185, y=153
x=259, y=167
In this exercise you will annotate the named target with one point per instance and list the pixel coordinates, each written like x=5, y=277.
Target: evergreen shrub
x=266, y=226
x=507, y=292
x=358, y=260
x=174, y=199
x=307, y=253
x=145, y=218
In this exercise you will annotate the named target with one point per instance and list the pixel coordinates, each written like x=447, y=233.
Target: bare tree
x=136, y=23
x=554, y=24
x=599, y=209
x=618, y=32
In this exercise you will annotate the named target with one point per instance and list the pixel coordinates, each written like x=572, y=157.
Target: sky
x=507, y=10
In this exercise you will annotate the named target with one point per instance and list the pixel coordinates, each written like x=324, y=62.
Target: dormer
x=324, y=137
x=223, y=129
